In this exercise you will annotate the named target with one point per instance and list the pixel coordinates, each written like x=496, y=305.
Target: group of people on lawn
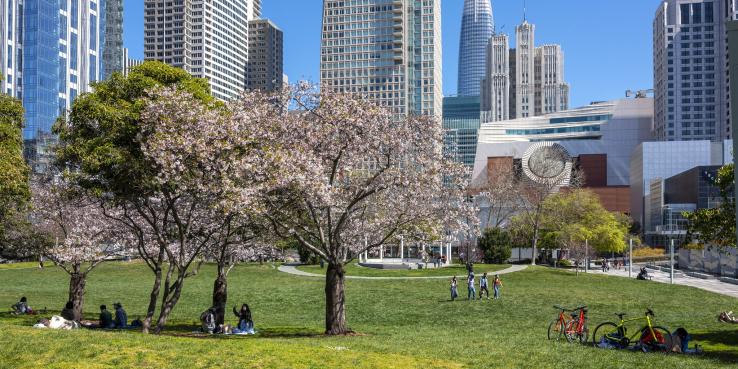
x=245, y=322
x=471, y=287
x=71, y=320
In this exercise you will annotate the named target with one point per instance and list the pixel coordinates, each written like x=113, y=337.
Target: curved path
x=291, y=269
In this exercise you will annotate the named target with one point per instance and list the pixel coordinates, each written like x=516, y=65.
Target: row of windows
x=548, y=131
x=589, y=118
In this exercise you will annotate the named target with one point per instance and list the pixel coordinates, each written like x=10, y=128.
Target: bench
x=729, y=280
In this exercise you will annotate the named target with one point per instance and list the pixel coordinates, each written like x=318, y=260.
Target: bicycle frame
x=649, y=325
x=581, y=320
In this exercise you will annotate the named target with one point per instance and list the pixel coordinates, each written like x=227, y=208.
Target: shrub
x=495, y=244
x=647, y=251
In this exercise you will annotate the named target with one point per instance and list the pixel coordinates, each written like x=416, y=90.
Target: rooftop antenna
x=525, y=11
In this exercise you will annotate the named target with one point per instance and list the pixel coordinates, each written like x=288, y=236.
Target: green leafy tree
x=576, y=221
x=14, y=172
x=102, y=145
x=716, y=226
x=495, y=243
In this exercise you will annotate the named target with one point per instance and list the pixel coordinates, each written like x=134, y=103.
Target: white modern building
x=523, y=82
x=209, y=39
x=128, y=63
x=11, y=47
x=386, y=50
x=599, y=138
x=690, y=69
x=653, y=162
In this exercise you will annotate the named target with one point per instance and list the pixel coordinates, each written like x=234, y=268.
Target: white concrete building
x=690, y=69
x=11, y=47
x=534, y=75
x=209, y=39
x=495, y=87
x=386, y=50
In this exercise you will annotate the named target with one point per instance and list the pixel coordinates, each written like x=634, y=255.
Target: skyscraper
x=209, y=39
x=477, y=26
x=62, y=54
x=523, y=82
x=266, y=56
x=113, y=48
x=690, y=70
x=11, y=47
x=386, y=50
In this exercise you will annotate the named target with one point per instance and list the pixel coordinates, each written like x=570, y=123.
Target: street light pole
x=586, y=256
x=630, y=260
x=671, y=262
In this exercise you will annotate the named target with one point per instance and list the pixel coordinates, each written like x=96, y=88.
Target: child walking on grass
x=497, y=284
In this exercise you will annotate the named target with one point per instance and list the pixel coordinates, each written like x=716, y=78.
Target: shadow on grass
x=719, y=338
x=192, y=331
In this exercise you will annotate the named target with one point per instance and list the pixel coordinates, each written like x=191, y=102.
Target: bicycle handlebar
x=567, y=309
x=650, y=312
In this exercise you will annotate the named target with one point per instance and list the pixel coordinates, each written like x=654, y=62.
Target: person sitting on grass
x=121, y=318
x=245, y=321
x=106, y=318
x=68, y=311
x=21, y=307
x=207, y=319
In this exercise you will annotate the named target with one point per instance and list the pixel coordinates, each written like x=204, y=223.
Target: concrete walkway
x=291, y=269
x=712, y=285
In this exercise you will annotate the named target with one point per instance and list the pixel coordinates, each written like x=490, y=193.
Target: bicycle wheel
x=662, y=342
x=555, y=330
x=607, y=335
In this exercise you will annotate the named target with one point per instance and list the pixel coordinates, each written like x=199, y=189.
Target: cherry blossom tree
x=78, y=236
x=358, y=176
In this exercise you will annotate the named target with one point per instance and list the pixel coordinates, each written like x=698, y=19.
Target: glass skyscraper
x=52, y=50
x=477, y=26
x=386, y=50
x=113, y=59
x=461, y=126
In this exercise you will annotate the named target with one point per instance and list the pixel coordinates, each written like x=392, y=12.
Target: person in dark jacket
x=68, y=311
x=121, y=318
x=106, y=318
x=245, y=321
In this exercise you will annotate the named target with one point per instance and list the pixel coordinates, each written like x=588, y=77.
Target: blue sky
x=607, y=43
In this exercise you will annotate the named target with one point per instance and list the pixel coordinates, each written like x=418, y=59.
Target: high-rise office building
x=128, y=63
x=113, y=48
x=523, y=82
x=266, y=56
x=209, y=39
x=62, y=55
x=461, y=127
x=386, y=50
x=495, y=91
x=11, y=47
x=477, y=26
x=690, y=70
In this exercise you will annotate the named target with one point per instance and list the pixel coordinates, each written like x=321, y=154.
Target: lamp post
x=671, y=262
x=586, y=256
x=630, y=259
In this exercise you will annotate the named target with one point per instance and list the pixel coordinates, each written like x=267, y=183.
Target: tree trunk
x=153, y=297
x=169, y=302
x=220, y=296
x=335, y=304
x=77, y=294
x=535, y=246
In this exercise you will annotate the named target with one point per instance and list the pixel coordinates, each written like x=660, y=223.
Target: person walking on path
x=497, y=284
x=483, y=286
x=454, y=292
x=472, y=291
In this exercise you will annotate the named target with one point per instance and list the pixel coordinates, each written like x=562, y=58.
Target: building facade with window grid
x=690, y=70
x=266, y=56
x=386, y=50
x=209, y=39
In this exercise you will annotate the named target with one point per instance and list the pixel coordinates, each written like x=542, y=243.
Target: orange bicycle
x=570, y=324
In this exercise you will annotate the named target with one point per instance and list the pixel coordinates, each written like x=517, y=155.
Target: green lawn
x=458, y=270
x=402, y=324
